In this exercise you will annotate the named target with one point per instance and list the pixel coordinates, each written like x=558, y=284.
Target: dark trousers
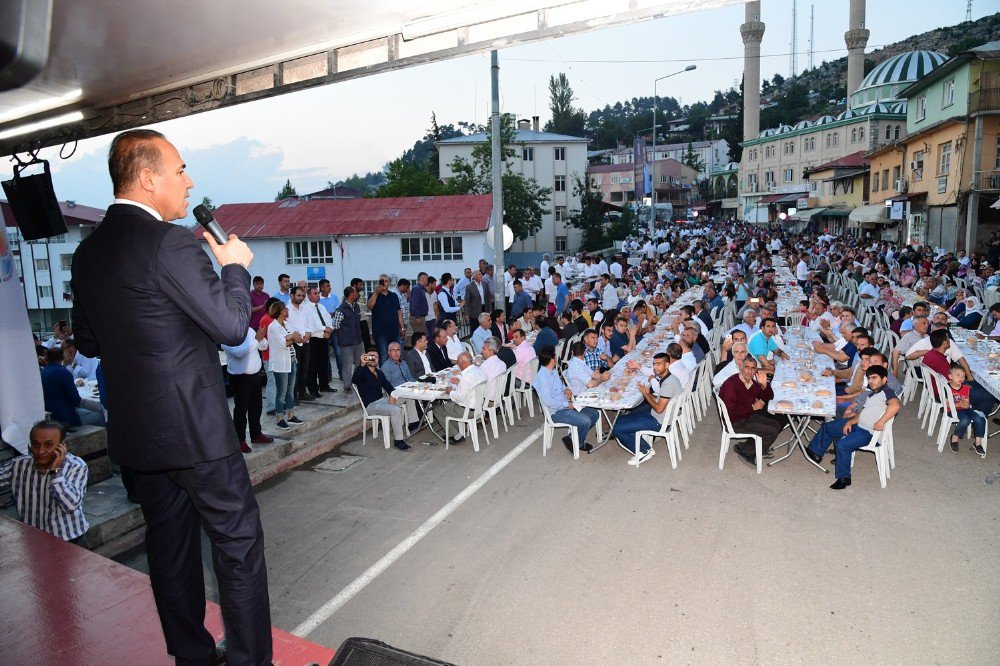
x=247, y=404
x=760, y=423
x=319, y=365
x=302, y=357
x=177, y=505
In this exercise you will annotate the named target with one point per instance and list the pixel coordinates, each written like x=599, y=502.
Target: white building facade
x=713, y=155
x=554, y=161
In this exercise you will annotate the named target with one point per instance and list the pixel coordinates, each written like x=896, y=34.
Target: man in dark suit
x=437, y=351
x=478, y=297
x=149, y=303
x=499, y=329
x=417, y=359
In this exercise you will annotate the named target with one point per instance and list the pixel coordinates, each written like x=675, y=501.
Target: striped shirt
x=49, y=501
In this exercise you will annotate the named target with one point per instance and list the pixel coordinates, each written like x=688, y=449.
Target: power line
x=669, y=60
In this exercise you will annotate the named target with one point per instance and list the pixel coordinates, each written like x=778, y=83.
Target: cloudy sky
x=245, y=153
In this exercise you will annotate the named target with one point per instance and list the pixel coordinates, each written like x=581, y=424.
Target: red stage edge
x=62, y=604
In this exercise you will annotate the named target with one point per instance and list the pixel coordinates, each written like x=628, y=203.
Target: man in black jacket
x=437, y=351
x=149, y=303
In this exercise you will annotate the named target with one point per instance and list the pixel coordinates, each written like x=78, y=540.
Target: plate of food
x=783, y=404
x=823, y=393
x=806, y=376
x=817, y=404
x=789, y=385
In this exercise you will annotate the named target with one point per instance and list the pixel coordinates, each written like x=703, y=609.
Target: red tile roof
x=355, y=217
x=852, y=161
x=73, y=213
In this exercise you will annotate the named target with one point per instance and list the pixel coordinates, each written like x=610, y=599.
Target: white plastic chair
x=668, y=433
x=728, y=434
x=880, y=445
x=376, y=420
x=508, y=393
x=794, y=319
x=549, y=428
x=527, y=376
x=471, y=418
x=493, y=403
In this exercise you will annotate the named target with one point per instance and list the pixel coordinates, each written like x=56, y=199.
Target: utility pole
x=793, y=56
x=812, y=36
x=968, y=11
x=497, y=216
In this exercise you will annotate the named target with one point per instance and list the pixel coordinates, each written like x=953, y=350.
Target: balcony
x=986, y=181
x=984, y=100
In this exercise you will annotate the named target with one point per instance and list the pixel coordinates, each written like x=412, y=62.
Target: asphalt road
x=555, y=561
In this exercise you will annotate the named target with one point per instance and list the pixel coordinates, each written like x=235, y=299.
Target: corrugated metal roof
x=356, y=217
x=520, y=136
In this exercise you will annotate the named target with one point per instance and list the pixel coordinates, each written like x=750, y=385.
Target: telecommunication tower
x=812, y=37
x=793, y=56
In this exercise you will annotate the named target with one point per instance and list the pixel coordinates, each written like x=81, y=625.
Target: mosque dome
x=802, y=124
x=890, y=77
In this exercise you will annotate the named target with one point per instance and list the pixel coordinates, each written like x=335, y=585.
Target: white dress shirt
x=728, y=370
x=426, y=361
x=83, y=367
x=469, y=379
x=303, y=319
x=609, y=297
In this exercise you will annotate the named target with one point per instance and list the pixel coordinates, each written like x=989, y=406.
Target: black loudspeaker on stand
x=370, y=652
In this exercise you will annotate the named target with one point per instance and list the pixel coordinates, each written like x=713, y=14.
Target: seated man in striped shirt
x=48, y=485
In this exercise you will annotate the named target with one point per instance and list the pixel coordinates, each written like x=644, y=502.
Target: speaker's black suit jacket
x=147, y=300
x=438, y=357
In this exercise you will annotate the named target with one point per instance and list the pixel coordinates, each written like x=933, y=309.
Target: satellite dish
x=508, y=237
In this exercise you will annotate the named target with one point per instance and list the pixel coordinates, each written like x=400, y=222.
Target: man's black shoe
x=458, y=440
x=767, y=455
x=271, y=413
x=587, y=448
x=402, y=446
x=327, y=389
x=840, y=484
x=568, y=442
x=746, y=456
x=315, y=396
x=815, y=457
x=305, y=397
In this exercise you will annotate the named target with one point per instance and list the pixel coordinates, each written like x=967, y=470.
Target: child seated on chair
x=959, y=385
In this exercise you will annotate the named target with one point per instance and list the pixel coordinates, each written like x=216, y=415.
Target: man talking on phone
x=149, y=303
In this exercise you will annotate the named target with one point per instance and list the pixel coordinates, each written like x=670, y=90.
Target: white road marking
x=359, y=583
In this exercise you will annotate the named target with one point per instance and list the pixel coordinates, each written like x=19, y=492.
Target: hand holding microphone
x=227, y=251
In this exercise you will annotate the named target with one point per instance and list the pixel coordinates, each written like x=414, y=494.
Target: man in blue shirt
x=62, y=400
x=387, y=316
x=562, y=293
x=331, y=302
x=522, y=301
x=394, y=368
x=765, y=342
x=557, y=399
x=482, y=333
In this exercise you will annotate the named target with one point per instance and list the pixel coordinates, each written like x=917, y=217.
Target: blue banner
x=314, y=273
x=640, y=172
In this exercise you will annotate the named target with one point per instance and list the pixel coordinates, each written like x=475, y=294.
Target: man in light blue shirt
x=482, y=334
x=562, y=293
x=578, y=374
x=557, y=399
x=330, y=301
x=764, y=342
x=394, y=368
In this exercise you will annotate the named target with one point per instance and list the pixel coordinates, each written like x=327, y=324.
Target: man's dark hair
x=496, y=312
x=578, y=348
x=516, y=283
x=576, y=306
x=323, y=282
x=859, y=330
x=768, y=319
x=545, y=356
x=661, y=356
x=257, y=278
x=517, y=330
x=938, y=337
x=48, y=424
x=130, y=153
x=69, y=342
x=589, y=331
x=876, y=371
x=674, y=351
x=445, y=277
x=284, y=276
x=54, y=355
x=417, y=337
x=688, y=309
x=402, y=282
x=869, y=351
x=921, y=304
x=348, y=291
x=295, y=290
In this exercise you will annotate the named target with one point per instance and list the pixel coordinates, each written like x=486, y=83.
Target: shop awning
x=806, y=214
x=699, y=207
x=869, y=215
x=770, y=198
x=837, y=212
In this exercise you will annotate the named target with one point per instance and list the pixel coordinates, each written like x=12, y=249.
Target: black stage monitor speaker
x=33, y=201
x=24, y=40
x=370, y=652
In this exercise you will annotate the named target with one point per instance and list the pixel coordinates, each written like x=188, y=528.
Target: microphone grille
x=202, y=214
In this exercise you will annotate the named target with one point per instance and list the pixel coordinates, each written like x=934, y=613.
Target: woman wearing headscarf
x=973, y=314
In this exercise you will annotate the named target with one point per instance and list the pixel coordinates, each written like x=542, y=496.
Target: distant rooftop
x=520, y=136
x=73, y=213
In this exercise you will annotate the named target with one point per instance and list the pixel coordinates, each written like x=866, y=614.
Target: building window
x=560, y=184
x=944, y=167
x=67, y=289
x=309, y=252
x=918, y=165
x=813, y=186
x=769, y=178
x=560, y=214
x=410, y=249
x=996, y=163
x=66, y=262
x=888, y=132
x=829, y=141
x=664, y=179
x=948, y=96
x=854, y=135
x=921, y=108
x=875, y=183
x=41, y=264
x=895, y=175
x=885, y=178
x=44, y=291
x=528, y=154
x=836, y=138
x=559, y=154
x=789, y=175
x=615, y=180
x=560, y=244
x=861, y=134
x=789, y=147
x=896, y=133
x=752, y=182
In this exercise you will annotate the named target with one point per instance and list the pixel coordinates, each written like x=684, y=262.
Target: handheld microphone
x=207, y=220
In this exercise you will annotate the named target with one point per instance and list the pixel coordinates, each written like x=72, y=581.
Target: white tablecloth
x=800, y=393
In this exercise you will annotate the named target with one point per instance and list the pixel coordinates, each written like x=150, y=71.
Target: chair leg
x=546, y=438
x=493, y=421
x=447, y=425
x=722, y=452
x=385, y=433
x=474, y=434
x=574, y=435
x=364, y=433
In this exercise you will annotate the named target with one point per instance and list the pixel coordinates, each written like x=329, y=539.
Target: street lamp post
x=652, y=208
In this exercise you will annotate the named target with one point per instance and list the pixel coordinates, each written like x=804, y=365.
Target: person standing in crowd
x=521, y=301
x=376, y=394
x=244, y=365
x=147, y=301
x=302, y=320
x=318, y=377
x=402, y=293
x=269, y=389
x=329, y=301
x=387, y=317
x=258, y=298
x=281, y=345
x=478, y=298
x=433, y=309
x=284, y=293
x=48, y=485
x=448, y=304
x=346, y=324
x=419, y=304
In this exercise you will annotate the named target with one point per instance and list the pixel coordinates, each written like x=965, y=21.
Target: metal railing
x=985, y=99
x=986, y=180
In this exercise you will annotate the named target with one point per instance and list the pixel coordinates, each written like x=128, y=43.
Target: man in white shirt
x=775, y=246
x=593, y=271
x=616, y=269
x=609, y=295
x=678, y=368
x=602, y=265
x=868, y=289
x=492, y=366
x=749, y=324
x=463, y=282
x=532, y=283
x=543, y=268
x=728, y=370
x=303, y=320
x=663, y=248
x=460, y=391
x=802, y=271
x=80, y=366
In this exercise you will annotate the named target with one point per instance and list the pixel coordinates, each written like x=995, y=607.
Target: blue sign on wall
x=314, y=273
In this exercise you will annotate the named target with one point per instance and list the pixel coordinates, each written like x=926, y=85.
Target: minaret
x=856, y=38
x=752, y=31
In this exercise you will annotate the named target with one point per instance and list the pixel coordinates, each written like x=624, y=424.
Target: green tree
x=207, y=203
x=692, y=159
x=408, y=179
x=565, y=118
x=622, y=226
x=286, y=192
x=524, y=201
x=590, y=217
